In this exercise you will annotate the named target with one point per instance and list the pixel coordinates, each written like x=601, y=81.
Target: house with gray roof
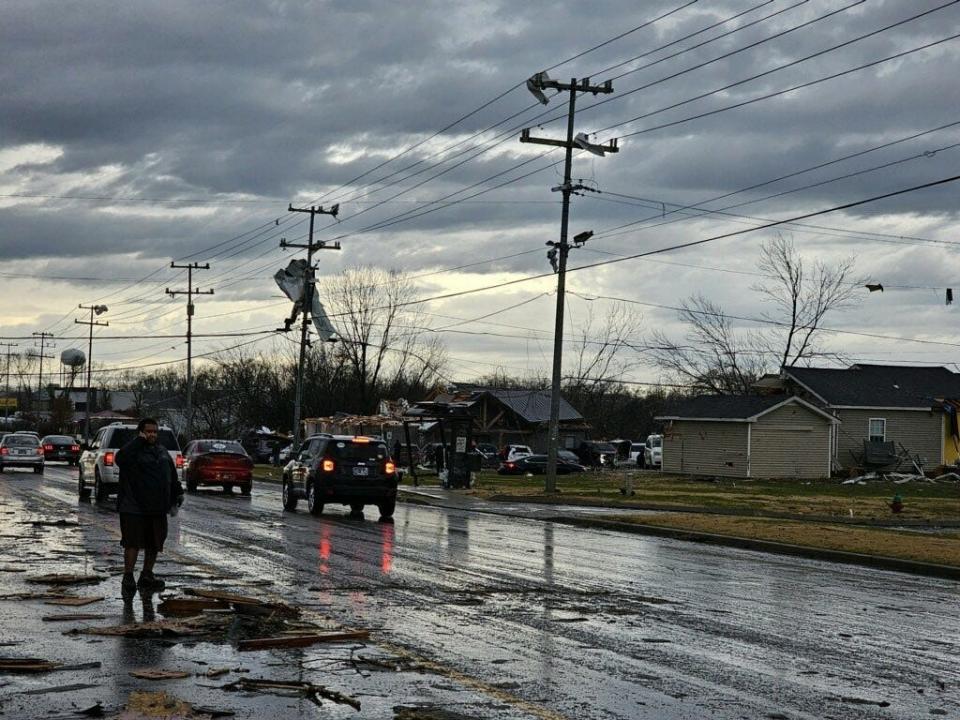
x=748, y=436
x=912, y=406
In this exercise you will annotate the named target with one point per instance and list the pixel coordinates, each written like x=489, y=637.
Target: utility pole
x=559, y=250
x=98, y=310
x=43, y=337
x=190, y=292
x=309, y=279
x=6, y=400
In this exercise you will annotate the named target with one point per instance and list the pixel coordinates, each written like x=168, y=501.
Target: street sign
x=8, y=403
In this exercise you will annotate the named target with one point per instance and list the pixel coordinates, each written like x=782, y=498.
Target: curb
x=882, y=562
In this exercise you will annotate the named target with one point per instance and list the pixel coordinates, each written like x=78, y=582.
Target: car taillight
x=4, y=451
x=108, y=458
x=48, y=448
x=511, y=465
x=328, y=465
x=39, y=450
x=75, y=448
x=390, y=467
x=179, y=460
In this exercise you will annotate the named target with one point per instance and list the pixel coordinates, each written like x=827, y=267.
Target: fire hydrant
x=896, y=505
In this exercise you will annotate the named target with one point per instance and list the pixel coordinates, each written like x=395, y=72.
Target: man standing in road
x=149, y=489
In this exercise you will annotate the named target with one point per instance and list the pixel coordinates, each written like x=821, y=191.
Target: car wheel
x=356, y=510
x=1, y=469
x=289, y=498
x=82, y=490
x=313, y=501
x=228, y=489
x=245, y=490
x=191, y=485
x=387, y=508
x=98, y=492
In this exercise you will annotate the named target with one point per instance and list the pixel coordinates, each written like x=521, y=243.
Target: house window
x=877, y=429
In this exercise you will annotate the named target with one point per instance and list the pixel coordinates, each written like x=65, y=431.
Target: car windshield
x=20, y=441
x=122, y=436
x=220, y=446
x=355, y=451
x=656, y=442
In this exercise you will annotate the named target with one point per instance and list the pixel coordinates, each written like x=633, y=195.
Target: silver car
x=23, y=451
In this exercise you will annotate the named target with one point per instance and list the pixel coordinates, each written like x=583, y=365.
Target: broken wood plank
x=158, y=674
x=190, y=606
x=243, y=601
x=26, y=665
x=66, y=579
x=306, y=689
x=294, y=641
x=73, y=616
x=73, y=601
x=59, y=689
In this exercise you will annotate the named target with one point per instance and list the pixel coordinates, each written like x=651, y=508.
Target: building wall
x=790, y=442
x=706, y=448
x=920, y=431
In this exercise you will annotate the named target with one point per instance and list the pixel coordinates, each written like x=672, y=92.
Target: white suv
x=98, y=469
x=653, y=451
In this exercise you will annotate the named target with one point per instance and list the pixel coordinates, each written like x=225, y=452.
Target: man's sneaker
x=128, y=586
x=148, y=583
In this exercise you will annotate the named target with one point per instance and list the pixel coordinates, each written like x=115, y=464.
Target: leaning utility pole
x=43, y=337
x=536, y=85
x=190, y=292
x=6, y=400
x=309, y=280
x=99, y=310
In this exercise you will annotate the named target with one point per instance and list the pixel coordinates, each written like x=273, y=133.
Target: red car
x=223, y=463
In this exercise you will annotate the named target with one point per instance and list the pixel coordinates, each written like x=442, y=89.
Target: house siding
x=790, y=442
x=920, y=431
x=706, y=448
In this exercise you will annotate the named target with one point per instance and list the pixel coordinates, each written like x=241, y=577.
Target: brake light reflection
x=325, y=548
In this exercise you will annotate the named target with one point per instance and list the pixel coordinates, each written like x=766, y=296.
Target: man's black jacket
x=148, y=479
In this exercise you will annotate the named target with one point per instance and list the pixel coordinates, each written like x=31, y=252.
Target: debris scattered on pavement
x=36, y=596
x=26, y=665
x=155, y=629
x=190, y=606
x=293, y=687
x=73, y=616
x=426, y=713
x=51, y=523
x=73, y=601
x=66, y=579
x=92, y=711
x=216, y=672
x=158, y=674
x=243, y=602
x=156, y=704
x=59, y=689
x=293, y=641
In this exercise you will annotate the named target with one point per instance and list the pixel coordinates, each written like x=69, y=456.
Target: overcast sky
x=136, y=133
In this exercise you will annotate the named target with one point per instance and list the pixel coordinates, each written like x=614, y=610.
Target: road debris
x=59, y=689
x=154, y=629
x=158, y=674
x=36, y=596
x=27, y=665
x=66, y=579
x=92, y=711
x=73, y=616
x=51, y=523
x=190, y=606
x=293, y=687
x=242, y=602
x=294, y=641
x=73, y=601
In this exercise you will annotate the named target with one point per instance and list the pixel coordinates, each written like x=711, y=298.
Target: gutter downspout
x=749, y=426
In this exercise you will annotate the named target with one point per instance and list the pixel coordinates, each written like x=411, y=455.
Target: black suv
x=345, y=469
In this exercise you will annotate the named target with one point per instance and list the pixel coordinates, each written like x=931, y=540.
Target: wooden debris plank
x=293, y=641
x=26, y=665
x=73, y=616
x=158, y=674
x=190, y=606
x=65, y=579
x=73, y=601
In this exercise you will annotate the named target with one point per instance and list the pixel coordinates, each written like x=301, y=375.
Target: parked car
x=569, y=456
x=636, y=454
x=344, y=469
x=99, y=472
x=24, y=451
x=653, y=451
x=596, y=454
x=537, y=465
x=223, y=463
x=61, y=447
x=515, y=452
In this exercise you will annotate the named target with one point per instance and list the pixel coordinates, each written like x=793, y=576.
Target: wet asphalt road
x=520, y=618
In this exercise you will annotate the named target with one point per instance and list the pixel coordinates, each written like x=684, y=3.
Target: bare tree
x=602, y=351
x=718, y=358
x=383, y=336
x=801, y=297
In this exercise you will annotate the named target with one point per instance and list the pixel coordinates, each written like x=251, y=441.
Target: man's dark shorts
x=146, y=532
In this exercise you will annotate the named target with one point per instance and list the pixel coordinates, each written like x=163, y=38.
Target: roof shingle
x=865, y=385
